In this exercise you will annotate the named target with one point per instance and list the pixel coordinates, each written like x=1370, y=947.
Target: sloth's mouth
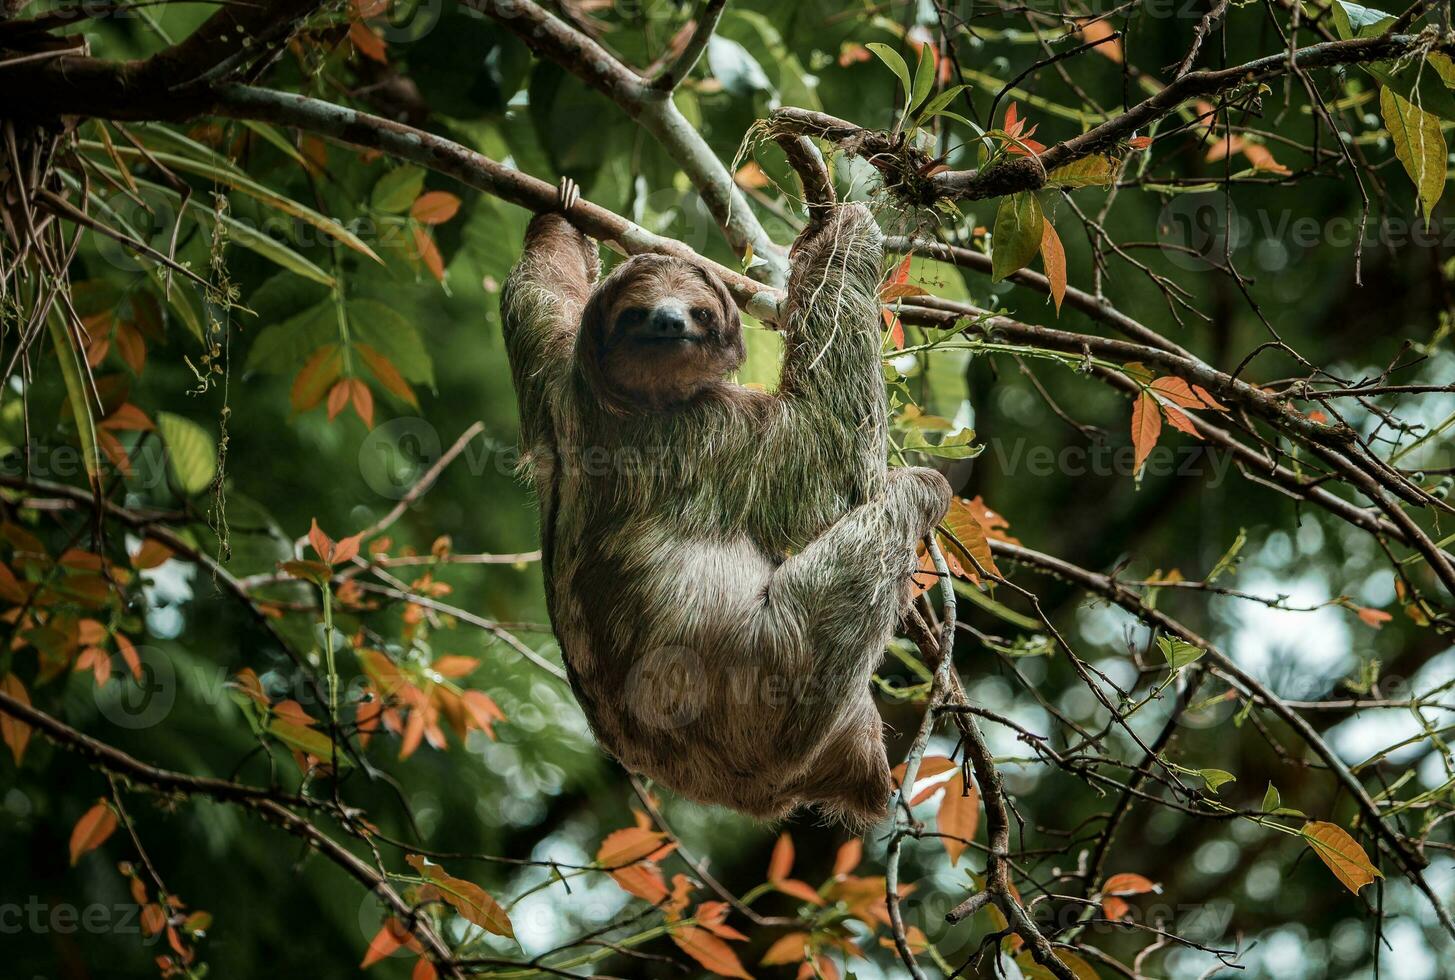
x=669, y=342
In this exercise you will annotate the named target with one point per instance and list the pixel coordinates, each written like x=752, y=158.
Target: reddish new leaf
x=959, y=816
x=1342, y=853
x=15, y=732
x=1129, y=883
x=623, y=847
x=1146, y=427
x=782, y=860
x=1053, y=260
x=429, y=253
x=91, y=831
x=385, y=943
x=386, y=373
x=338, y=397
x=434, y=207
x=712, y=953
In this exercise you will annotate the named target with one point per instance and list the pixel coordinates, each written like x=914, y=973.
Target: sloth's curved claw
x=567, y=194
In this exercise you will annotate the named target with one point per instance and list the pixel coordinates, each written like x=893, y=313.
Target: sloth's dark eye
x=702, y=314
x=632, y=316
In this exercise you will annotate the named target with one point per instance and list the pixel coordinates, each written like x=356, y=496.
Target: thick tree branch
x=474, y=170
x=652, y=107
x=1029, y=172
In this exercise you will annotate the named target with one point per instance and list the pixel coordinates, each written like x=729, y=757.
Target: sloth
x=724, y=567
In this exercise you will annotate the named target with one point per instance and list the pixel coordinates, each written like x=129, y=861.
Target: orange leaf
x=345, y=549
x=338, y=397
x=91, y=831
x=966, y=539
x=851, y=852
x=1128, y=883
x=710, y=916
x=1342, y=853
x=98, y=661
x=434, y=207
x=899, y=290
x=363, y=401
x=1179, y=393
x=644, y=881
x=714, y=954
x=127, y=418
x=1115, y=908
x=322, y=544
x=1374, y=617
x=1146, y=427
x=15, y=733
x=151, y=554
x=131, y=346
x=1053, y=260
x=468, y=898
x=800, y=890
x=751, y=175
x=367, y=42
x=1179, y=421
x=1139, y=142
x=423, y=970
x=429, y=252
x=1095, y=30
x=386, y=373
x=623, y=847
x=782, y=860
x=1208, y=399
x=790, y=948
x=959, y=816
x=385, y=942
x=930, y=765
x=314, y=379
x=153, y=919
x=129, y=654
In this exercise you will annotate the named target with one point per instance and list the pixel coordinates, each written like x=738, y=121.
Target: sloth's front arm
x=541, y=309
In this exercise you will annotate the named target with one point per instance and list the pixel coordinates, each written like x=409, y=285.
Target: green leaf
x=1178, y=653
x=1419, y=145
x=1216, y=777
x=230, y=177
x=1230, y=557
x=958, y=445
x=1352, y=20
x=939, y=102
x=1271, y=800
x=397, y=189
x=283, y=347
x=896, y=64
x=75, y=382
x=924, y=76
x=1417, y=82
x=191, y=452
x=305, y=739
x=1016, y=237
x=1097, y=170
x=391, y=334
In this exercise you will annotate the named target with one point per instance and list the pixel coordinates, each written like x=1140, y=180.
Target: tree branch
x=672, y=74
x=652, y=107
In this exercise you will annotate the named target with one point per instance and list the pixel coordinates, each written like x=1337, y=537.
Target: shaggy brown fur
x=723, y=567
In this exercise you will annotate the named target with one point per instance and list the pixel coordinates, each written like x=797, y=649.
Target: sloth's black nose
x=668, y=322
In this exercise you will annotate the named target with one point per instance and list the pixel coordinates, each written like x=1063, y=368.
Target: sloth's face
x=668, y=332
